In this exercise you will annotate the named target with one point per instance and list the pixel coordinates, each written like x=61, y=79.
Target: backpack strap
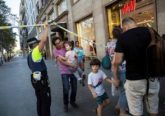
x=153, y=35
x=99, y=83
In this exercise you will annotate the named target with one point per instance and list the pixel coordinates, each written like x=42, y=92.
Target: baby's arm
x=92, y=91
x=63, y=58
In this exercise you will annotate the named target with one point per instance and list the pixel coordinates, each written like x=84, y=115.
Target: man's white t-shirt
x=94, y=79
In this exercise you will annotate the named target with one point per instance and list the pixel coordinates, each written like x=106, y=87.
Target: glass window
x=113, y=14
x=85, y=29
x=143, y=11
x=144, y=14
x=51, y=15
x=61, y=7
x=55, y=11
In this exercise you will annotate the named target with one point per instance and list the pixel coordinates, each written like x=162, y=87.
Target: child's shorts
x=102, y=98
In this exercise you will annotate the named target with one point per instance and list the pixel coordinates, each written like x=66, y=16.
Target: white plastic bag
x=114, y=90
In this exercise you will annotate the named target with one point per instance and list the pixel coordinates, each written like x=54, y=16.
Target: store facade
x=143, y=11
x=96, y=20
x=89, y=24
x=86, y=32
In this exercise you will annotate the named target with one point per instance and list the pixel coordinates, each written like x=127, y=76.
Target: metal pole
x=49, y=39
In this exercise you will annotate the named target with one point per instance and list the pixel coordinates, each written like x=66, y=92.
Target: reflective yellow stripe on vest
x=36, y=55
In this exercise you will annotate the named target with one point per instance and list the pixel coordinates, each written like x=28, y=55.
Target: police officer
x=39, y=77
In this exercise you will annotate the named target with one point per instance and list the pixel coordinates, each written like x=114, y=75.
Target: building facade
x=94, y=20
x=23, y=33
x=28, y=14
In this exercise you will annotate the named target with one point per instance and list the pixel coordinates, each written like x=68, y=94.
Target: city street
x=17, y=96
x=93, y=28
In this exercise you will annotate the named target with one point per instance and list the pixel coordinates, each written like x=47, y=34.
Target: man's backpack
x=156, y=55
x=106, y=62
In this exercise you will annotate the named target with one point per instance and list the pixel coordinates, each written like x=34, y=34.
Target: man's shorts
x=136, y=93
x=102, y=98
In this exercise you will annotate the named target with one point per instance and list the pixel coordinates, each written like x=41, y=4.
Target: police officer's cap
x=32, y=41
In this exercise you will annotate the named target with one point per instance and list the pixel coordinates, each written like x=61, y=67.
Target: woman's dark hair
x=117, y=31
x=54, y=39
x=72, y=42
x=95, y=61
x=76, y=42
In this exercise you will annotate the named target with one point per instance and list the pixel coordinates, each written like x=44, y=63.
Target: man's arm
x=43, y=39
x=117, y=60
x=108, y=80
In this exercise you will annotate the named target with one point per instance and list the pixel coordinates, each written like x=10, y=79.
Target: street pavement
x=17, y=96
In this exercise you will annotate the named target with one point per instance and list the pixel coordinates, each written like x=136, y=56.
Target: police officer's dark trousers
x=42, y=91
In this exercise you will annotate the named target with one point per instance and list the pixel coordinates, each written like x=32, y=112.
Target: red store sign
x=128, y=7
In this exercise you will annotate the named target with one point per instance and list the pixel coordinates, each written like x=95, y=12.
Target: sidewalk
x=84, y=97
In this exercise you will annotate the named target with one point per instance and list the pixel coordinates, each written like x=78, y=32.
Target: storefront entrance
x=85, y=30
x=143, y=11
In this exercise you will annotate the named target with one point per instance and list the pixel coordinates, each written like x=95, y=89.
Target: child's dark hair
x=95, y=61
x=70, y=44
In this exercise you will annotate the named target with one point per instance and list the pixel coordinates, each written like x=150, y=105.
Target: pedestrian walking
x=71, y=57
x=80, y=54
x=95, y=84
x=122, y=104
x=131, y=46
x=68, y=79
x=80, y=57
x=39, y=76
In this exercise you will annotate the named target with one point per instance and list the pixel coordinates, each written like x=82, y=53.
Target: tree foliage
x=7, y=37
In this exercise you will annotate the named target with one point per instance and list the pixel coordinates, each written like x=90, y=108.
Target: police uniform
x=41, y=86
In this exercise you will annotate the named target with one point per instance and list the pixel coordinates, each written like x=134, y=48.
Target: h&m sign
x=128, y=7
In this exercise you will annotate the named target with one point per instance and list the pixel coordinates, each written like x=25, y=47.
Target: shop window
x=113, y=15
x=61, y=7
x=51, y=15
x=144, y=14
x=85, y=29
x=143, y=11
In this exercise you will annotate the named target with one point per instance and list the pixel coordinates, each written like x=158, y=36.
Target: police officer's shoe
x=65, y=108
x=73, y=104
